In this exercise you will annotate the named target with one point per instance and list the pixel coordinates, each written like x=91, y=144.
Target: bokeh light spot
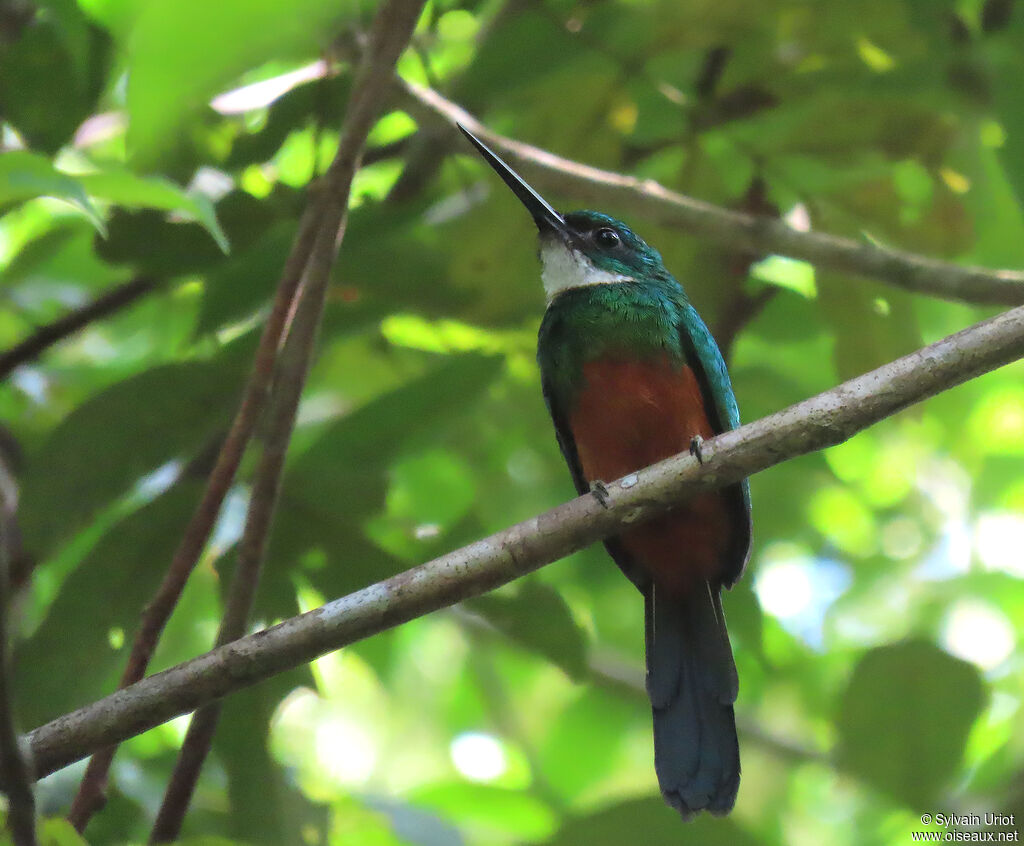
x=999, y=539
x=979, y=633
x=784, y=588
x=478, y=756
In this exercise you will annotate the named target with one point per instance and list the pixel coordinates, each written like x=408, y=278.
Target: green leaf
x=120, y=435
x=489, y=810
x=584, y=742
x=344, y=470
x=237, y=288
x=184, y=52
x=58, y=53
x=904, y=719
x=105, y=593
x=536, y=617
x=341, y=480
x=26, y=176
x=797, y=276
x=59, y=832
x=873, y=323
x=124, y=188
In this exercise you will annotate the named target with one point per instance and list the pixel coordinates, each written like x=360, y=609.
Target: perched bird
x=631, y=375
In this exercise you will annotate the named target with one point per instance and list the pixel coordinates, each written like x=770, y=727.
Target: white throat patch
x=566, y=268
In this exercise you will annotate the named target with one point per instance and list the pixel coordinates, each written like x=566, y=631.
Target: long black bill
x=544, y=215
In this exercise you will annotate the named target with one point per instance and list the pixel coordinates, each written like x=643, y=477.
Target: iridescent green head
x=580, y=248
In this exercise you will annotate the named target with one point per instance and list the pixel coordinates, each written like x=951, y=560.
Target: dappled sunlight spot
x=228, y=529
x=947, y=485
x=992, y=134
x=883, y=469
x=881, y=613
x=999, y=541
x=891, y=475
x=448, y=336
x=784, y=588
x=950, y=557
x=394, y=126
x=791, y=274
x=840, y=515
x=852, y=459
x=478, y=756
x=525, y=467
x=426, y=531
x=623, y=116
x=327, y=747
x=345, y=751
x=997, y=422
x=901, y=538
x=115, y=637
x=434, y=653
x=996, y=727
x=874, y=56
x=260, y=94
x=320, y=406
x=979, y=633
x=32, y=382
x=798, y=589
x=799, y=218
x=957, y=182
x=179, y=726
x=153, y=484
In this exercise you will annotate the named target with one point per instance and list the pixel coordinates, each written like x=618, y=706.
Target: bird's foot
x=697, y=448
x=600, y=491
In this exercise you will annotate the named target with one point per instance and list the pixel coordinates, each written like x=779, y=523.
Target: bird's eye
x=607, y=238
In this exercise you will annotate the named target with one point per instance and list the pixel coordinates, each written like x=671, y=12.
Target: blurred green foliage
x=878, y=629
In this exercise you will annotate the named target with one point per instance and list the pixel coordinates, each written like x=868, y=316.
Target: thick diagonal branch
x=748, y=233
x=816, y=423
x=391, y=32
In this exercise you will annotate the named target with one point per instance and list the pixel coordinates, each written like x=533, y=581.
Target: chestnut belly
x=630, y=414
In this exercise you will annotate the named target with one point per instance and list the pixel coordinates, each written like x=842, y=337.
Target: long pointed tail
x=692, y=683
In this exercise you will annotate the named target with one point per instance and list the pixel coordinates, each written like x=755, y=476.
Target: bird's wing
x=705, y=358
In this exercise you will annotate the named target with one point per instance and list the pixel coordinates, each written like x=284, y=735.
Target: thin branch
x=822, y=421
x=46, y=336
x=15, y=770
x=745, y=232
x=199, y=737
x=92, y=790
x=392, y=30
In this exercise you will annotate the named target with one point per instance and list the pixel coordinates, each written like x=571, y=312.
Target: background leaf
x=905, y=716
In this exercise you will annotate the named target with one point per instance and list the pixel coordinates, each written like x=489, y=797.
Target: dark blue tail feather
x=692, y=683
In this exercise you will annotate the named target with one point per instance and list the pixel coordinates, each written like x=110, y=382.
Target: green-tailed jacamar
x=631, y=375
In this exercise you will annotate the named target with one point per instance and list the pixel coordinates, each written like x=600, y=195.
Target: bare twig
x=391, y=32
x=816, y=423
x=14, y=768
x=92, y=791
x=46, y=336
x=744, y=232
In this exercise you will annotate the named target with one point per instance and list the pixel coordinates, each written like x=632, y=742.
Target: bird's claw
x=697, y=448
x=600, y=491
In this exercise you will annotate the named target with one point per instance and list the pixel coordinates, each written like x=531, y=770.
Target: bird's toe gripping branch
x=600, y=491
x=697, y=448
